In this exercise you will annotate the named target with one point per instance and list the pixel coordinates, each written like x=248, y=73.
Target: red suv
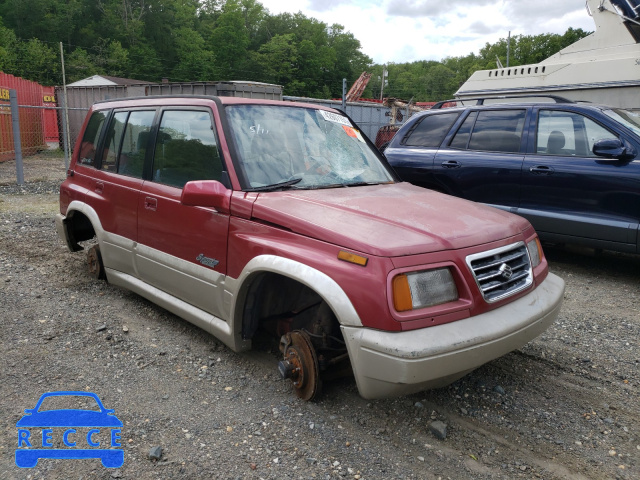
x=244, y=215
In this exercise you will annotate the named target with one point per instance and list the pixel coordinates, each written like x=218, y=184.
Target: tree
x=229, y=40
x=196, y=40
x=8, y=49
x=38, y=62
x=279, y=58
x=196, y=62
x=528, y=49
x=79, y=65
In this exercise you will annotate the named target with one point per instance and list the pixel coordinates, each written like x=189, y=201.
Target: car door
x=113, y=190
x=569, y=192
x=412, y=156
x=182, y=249
x=482, y=160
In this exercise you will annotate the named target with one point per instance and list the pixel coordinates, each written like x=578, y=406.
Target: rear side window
x=186, y=149
x=461, y=139
x=126, y=142
x=112, y=142
x=492, y=131
x=90, y=138
x=431, y=130
x=134, y=143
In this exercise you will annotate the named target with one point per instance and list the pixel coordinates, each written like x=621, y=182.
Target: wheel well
x=79, y=228
x=278, y=304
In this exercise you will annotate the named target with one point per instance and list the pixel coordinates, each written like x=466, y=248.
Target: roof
x=105, y=80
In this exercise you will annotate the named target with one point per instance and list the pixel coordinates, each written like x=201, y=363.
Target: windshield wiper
x=275, y=186
x=359, y=184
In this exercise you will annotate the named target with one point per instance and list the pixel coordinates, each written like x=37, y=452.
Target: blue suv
x=572, y=169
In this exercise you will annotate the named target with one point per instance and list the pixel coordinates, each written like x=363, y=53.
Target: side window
x=567, y=133
x=498, y=131
x=186, y=149
x=112, y=142
x=595, y=132
x=461, y=138
x=431, y=130
x=134, y=143
x=90, y=138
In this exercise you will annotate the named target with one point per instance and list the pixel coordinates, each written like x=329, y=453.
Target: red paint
x=51, y=132
x=32, y=120
x=398, y=227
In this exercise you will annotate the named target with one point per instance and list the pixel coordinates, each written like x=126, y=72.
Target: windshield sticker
x=332, y=117
x=352, y=132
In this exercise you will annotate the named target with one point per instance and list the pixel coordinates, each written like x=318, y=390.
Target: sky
x=402, y=31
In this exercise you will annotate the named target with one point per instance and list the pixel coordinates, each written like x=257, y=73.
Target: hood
x=387, y=220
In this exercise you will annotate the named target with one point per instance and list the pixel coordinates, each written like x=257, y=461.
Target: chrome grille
x=501, y=272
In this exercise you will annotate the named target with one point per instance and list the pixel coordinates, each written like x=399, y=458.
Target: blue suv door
x=413, y=149
x=483, y=158
x=570, y=193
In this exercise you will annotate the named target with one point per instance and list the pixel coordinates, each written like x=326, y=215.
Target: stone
x=155, y=453
x=438, y=429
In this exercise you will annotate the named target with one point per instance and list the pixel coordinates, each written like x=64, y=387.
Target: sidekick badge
x=206, y=261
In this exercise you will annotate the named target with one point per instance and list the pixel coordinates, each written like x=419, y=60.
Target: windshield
x=301, y=148
x=630, y=119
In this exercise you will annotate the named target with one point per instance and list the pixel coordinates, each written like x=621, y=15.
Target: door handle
x=98, y=187
x=451, y=164
x=541, y=170
x=150, y=203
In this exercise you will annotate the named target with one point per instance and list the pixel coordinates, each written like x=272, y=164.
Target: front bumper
x=388, y=364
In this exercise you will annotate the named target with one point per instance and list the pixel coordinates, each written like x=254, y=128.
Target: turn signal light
x=352, y=258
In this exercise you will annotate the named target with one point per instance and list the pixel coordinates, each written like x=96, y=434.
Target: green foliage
x=433, y=81
x=8, y=50
x=217, y=40
x=196, y=62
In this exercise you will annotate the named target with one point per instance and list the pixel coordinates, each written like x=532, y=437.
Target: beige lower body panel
x=388, y=364
x=205, y=320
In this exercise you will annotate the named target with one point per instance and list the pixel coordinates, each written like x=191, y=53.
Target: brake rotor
x=301, y=358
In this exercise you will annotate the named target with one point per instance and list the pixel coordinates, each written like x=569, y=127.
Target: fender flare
x=90, y=213
x=316, y=280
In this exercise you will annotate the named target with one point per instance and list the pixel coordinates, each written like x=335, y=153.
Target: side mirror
x=612, y=148
x=207, y=193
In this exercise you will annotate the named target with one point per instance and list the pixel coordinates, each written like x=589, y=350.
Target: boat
x=603, y=67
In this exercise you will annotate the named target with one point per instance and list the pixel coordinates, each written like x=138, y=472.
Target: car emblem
x=506, y=271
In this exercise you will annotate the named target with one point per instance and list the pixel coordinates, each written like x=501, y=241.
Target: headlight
x=423, y=289
x=535, y=252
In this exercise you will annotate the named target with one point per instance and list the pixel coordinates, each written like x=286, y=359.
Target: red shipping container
x=51, y=132
x=31, y=119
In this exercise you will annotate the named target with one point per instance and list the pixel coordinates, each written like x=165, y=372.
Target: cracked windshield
x=302, y=148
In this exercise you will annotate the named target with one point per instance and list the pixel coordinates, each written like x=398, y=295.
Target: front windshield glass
x=629, y=118
x=301, y=148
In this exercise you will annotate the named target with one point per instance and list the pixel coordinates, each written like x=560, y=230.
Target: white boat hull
x=601, y=68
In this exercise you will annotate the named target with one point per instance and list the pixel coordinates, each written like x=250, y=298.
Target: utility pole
x=385, y=75
x=508, y=47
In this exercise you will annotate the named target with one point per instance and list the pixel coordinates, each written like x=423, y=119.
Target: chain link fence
x=36, y=146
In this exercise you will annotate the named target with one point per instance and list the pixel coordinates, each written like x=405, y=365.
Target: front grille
x=501, y=272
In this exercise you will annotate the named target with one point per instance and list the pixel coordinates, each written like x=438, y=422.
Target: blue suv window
x=568, y=133
x=461, y=139
x=430, y=131
x=492, y=131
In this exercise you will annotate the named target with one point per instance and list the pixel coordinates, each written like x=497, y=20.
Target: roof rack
x=480, y=100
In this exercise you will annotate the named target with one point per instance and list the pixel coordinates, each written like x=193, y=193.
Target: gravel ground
x=563, y=407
